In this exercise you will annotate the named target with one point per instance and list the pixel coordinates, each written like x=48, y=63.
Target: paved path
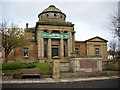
x=112, y=83
x=50, y=80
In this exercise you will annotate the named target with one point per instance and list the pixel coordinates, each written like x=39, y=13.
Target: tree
x=113, y=47
x=115, y=27
x=115, y=23
x=12, y=37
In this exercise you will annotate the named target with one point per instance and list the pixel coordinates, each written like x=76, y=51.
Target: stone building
x=94, y=47
x=54, y=37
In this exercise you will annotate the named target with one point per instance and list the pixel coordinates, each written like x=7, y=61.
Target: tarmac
x=51, y=80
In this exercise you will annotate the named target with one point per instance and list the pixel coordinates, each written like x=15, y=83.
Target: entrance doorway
x=54, y=52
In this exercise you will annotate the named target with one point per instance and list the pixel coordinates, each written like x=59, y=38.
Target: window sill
x=25, y=56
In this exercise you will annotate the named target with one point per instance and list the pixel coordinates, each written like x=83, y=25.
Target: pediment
x=96, y=39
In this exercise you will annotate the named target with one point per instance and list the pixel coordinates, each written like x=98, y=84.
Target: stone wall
x=101, y=45
x=64, y=66
x=78, y=64
x=18, y=54
x=88, y=48
x=82, y=49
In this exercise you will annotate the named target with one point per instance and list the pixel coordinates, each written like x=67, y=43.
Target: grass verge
x=44, y=67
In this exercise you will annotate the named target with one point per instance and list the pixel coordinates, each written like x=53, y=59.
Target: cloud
x=89, y=17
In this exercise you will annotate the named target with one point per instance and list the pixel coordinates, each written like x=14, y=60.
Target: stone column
x=61, y=46
x=49, y=52
x=38, y=41
x=69, y=46
x=56, y=68
x=40, y=46
x=73, y=42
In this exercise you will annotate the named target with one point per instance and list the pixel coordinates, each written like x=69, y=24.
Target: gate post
x=74, y=65
x=56, y=67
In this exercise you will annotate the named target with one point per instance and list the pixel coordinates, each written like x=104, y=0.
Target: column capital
x=69, y=31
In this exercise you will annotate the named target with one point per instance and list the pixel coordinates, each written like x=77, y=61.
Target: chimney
x=26, y=25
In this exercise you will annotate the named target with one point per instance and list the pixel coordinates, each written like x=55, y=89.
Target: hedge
x=17, y=65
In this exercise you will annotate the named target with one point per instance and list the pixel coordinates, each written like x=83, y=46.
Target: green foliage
x=12, y=37
x=11, y=71
x=44, y=67
x=16, y=65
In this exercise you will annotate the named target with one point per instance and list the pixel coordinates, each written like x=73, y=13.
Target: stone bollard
x=56, y=67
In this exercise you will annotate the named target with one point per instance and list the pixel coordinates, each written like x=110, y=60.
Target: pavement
x=51, y=80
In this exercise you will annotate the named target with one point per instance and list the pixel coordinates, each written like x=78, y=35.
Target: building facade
x=94, y=47
x=54, y=37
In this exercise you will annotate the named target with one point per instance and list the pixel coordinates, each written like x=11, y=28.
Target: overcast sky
x=90, y=18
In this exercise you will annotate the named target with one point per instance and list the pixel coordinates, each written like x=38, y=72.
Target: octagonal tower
x=52, y=14
x=55, y=36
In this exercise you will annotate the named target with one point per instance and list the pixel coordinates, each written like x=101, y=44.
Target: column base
x=50, y=58
x=41, y=61
x=40, y=58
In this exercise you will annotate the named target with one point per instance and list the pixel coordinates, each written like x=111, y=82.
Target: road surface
x=114, y=83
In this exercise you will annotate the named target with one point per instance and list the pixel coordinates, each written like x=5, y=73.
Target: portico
x=54, y=43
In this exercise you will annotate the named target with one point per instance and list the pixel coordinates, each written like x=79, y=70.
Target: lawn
x=16, y=67
x=44, y=67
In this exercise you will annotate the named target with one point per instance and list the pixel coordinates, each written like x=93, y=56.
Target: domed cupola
x=52, y=14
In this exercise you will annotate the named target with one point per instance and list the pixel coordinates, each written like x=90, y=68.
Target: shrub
x=16, y=65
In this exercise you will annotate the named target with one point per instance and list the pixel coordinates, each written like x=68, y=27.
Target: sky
x=91, y=19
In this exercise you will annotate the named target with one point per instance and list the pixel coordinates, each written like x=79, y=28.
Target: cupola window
x=55, y=15
x=47, y=15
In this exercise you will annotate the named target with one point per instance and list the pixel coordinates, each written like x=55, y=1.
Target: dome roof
x=52, y=8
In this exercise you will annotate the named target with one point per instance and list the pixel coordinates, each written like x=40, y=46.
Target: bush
x=16, y=65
